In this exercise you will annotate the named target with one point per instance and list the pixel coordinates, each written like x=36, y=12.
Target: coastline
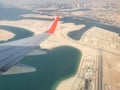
x=88, y=45
x=67, y=77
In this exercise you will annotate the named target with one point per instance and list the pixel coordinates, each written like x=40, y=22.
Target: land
x=95, y=32
x=5, y=35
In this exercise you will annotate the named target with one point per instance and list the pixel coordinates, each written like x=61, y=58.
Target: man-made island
x=96, y=35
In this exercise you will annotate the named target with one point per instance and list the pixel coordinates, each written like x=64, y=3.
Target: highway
x=100, y=70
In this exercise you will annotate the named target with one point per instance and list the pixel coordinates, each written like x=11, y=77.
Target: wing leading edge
x=12, y=52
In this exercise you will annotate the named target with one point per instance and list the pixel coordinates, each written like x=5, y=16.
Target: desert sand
x=91, y=41
x=6, y=35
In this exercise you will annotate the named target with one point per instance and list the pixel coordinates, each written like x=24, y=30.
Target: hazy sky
x=33, y=1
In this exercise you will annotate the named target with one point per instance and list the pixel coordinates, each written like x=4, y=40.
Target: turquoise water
x=58, y=64
x=19, y=32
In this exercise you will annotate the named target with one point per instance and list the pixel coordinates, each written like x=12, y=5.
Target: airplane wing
x=12, y=52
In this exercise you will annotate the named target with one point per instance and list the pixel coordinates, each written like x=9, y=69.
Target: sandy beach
x=91, y=39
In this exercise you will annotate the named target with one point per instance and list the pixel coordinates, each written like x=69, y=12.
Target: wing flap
x=19, y=68
x=37, y=52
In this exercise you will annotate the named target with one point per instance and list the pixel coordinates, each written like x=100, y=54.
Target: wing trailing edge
x=53, y=25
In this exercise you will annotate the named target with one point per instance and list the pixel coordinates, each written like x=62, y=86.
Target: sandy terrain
x=89, y=44
x=5, y=35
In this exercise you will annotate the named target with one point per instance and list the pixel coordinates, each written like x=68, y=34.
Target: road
x=100, y=70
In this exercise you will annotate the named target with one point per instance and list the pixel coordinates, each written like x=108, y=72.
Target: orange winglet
x=53, y=26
